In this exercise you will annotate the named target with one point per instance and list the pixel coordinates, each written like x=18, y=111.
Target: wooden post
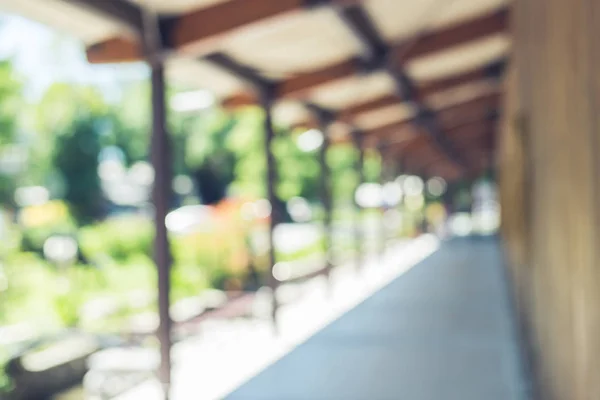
x=357, y=137
x=161, y=193
x=325, y=118
x=271, y=180
x=383, y=178
x=326, y=200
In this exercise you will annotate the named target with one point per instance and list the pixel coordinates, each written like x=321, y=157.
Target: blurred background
x=77, y=275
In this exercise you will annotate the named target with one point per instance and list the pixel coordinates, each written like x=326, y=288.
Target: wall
x=550, y=190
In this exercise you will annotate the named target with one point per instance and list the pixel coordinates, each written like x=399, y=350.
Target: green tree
x=76, y=159
x=10, y=103
x=72, y=125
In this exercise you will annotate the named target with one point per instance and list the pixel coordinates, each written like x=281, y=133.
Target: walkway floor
x=443, y=330
x=228, y=353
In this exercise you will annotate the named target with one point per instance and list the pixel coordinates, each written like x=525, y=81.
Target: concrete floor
x=443, y=330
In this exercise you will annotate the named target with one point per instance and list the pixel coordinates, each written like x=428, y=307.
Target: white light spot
x=282, y=271
x=183, y=185
x=413, y=185
x=142, y=173
x=30, y=196
x=189, y=219
x=60, y=249
x=262, y=208
x=111, y=170
x=461, y=224
x=192, y=101
x=299, y=209
x=368, y=195
x=436, y=186
x=391, y=193
x=310, y=140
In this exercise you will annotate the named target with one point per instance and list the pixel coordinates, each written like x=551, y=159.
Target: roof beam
x=451, y=117
x=472, y=109
x=473, y=128
x=479, y=74
x=481, y=130
x=473, y=140
x=380, y=56
x=427, y=44
x=363, y=28
x=247, y=74
x=197, y=32
x=207, y=33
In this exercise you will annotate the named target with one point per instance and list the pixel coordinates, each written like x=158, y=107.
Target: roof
x=422, y=78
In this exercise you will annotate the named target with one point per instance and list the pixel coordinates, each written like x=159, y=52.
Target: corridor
x=443, y=330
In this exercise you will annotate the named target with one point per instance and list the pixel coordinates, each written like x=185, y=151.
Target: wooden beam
x=431, y=42
x=427, y=44
x=359, y=21
x=192, y=26
x=474, y=110
x=425, y=89
x=471, y=140
x=405, y=147
x=199, y=32
x=473, y=129
x=247, y=74
x=117, y=49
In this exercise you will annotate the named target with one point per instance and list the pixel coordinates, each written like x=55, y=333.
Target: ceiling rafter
x=429, y=43
x=196, y=32
x=126, y=50
x=379, y=55
x=482, y=74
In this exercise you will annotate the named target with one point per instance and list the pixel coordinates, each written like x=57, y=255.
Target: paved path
x=228, y=353
x=441, y=331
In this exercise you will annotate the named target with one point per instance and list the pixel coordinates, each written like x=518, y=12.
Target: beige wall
x=550, y=185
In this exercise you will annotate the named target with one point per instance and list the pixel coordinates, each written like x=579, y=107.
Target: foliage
x=118, y=238
x=65, y=132
x=76, y=158
x=209, y=161
x=10, y=102
x=40, y=222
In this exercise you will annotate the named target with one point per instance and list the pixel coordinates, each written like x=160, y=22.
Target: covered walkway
x=443, y=330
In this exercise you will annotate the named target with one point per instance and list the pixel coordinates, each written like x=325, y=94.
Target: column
x=358, y=139
x=384, y=176
x=325, y=191
x=267, y=101
x=161, y=193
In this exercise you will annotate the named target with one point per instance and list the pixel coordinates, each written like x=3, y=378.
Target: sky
x=42, y=56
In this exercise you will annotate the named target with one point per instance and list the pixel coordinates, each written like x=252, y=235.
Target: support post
x=325, y=118
x=359, y=223
x=326, y=200
x=400, y=171
x=161, y=193
x=424, y=222
x=267, y=99
x=383, y=177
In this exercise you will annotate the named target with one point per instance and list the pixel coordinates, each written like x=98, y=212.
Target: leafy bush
x=41, y=222
x=30, y=288
x=118, y=238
